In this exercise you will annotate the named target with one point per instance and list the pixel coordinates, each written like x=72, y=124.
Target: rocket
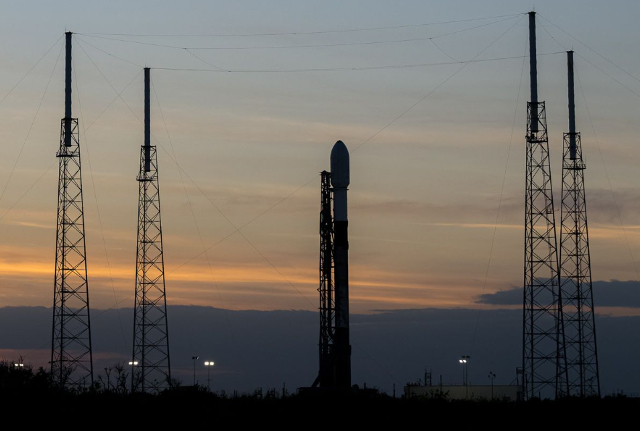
x=340, y=183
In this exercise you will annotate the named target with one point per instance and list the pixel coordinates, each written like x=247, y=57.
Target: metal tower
x=543, y=357
x=151, y=368
x=326, y=375
x=71, y=358
x=575, y=265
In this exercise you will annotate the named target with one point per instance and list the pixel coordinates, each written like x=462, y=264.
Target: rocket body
x=340, y=184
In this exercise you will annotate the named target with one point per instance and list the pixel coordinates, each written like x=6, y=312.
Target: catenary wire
x=436, y=88
x=591, y=49
x=198, y=187
x=33, y=121
x=352, y=30
x=364, y=142
x=219, y=69
x=109, y=53
x=321, y=45
x=29, y=71
x=235, y=227
x=354, y=68
x=239, y=356
x=95, y=197
x=606, y=172
x=495, y=226
x=53, y=163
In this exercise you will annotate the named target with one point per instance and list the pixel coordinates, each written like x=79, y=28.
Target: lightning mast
x=543, y=341
x=71, y=356
x=575, y=264
x=151, y=370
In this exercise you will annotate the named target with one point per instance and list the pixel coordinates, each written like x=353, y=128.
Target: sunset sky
x=247, y=134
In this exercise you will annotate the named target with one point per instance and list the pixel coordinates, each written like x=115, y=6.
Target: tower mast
x=71, y=355
x=543, y=341
x=151, y=367
x=575, y=264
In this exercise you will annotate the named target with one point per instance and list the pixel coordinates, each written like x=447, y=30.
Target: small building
x=465, y=392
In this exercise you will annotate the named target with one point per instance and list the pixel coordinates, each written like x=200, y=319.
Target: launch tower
x=334, y=347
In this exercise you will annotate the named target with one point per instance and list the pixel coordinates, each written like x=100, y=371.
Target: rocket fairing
x=340, y=183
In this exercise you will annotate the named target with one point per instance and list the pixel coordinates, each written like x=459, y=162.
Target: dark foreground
x=29, y=396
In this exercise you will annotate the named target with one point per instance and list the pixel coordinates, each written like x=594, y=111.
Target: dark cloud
x=502, y=297
x=612, y=293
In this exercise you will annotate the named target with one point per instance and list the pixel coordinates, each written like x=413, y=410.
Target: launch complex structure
x=559, y=347
x=334, y=347
x=71, y=351
x=559, y=353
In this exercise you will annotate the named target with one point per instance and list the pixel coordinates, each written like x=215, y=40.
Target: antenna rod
x=572, y=108
x=67, y=92
x=147, y=122
x=533, y=71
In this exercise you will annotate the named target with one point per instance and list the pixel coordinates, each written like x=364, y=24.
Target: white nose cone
x=340, y=165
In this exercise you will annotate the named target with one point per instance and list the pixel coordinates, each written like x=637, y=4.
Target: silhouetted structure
x=71, y=357
x=334, y=347
x=544, y=374
x=326, y=375
x=575, y=264
x=151, y=367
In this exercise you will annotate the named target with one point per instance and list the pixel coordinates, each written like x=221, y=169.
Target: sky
x=437, y=150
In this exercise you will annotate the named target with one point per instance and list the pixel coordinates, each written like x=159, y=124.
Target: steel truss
x=151, y=370
x=544, y=372
x=71, y=355
x=326, y=375
x=575, y=277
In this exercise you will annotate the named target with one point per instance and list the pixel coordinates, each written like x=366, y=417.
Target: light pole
x=492, y=376
x=194, y=369
x=464, y=360
x=208, y=364
x=133, y=364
